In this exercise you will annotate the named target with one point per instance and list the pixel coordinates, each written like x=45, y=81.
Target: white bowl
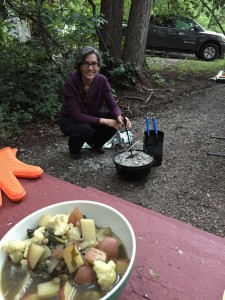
x=103, y=215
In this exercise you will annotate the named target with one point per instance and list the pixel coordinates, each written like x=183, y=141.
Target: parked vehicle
x=182, y=34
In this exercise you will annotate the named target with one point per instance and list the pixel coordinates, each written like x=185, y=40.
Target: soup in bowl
x=71, y=250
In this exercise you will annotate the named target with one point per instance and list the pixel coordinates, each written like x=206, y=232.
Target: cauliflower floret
x=26, y=248
x=59, y=224
x=36, y=239
x=24, y=264
x=16, y=256
x=106, y=273
x=74, y=233
x=38, y=235
x=15, y=249
x=12, y=246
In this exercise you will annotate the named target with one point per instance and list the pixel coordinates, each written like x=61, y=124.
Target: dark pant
x=82, y=132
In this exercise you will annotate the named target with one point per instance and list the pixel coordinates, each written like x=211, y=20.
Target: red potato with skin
x=85, y=275
x=93, y=254
x=75, y=216
x=33, y=296
x=58, y=252
x=110, y=246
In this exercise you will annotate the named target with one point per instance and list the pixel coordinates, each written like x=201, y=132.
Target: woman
x=81, y=116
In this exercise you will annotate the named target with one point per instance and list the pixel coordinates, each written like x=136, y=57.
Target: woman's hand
x=117, y=124
x=121, y=121
x=112, y=123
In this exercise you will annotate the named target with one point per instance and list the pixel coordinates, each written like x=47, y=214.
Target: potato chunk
x=93, y=254
x=85, y=275
x=122, y=265
x=72, y=257
x=88, y=229
x=34, y=254
x=44, y=221
x=75, y=216
x=47, y=289
x=66, y=291
x=110, y=245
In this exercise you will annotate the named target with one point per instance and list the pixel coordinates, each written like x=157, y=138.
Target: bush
x=30, y=85
x=33, y=72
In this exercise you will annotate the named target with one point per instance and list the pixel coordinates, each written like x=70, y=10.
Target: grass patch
x=184, y=66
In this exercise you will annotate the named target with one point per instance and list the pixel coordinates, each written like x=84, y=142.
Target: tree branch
x=43, y=32
x=35, y=20
x=214, y=16
x=92, y=3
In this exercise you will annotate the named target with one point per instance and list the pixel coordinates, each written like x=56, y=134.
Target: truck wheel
x=209, y=52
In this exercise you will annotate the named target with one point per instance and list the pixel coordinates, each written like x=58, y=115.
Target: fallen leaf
x=154, y=274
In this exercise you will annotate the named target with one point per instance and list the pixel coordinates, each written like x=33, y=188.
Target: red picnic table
x=174, y=260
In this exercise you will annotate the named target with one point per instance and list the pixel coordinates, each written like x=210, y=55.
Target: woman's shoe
x=75, y=155
x=98, y=150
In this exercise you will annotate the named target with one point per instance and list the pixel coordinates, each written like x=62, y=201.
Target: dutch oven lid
x=134, y=158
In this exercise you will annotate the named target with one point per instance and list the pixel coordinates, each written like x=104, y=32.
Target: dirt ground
x=188, y=186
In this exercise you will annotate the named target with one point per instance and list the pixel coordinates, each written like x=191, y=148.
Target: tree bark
x=3, y=11
x=111, y=31
x=137, y=29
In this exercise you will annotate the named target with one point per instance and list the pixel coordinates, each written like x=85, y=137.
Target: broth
x=17, y=282
x=13, y=280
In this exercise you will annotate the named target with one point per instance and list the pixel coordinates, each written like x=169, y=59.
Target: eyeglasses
x=86, y=64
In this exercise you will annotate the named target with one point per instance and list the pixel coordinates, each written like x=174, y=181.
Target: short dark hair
x=84, y=52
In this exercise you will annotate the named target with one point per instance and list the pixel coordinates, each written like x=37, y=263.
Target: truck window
x=163, y=22
x=184, y=24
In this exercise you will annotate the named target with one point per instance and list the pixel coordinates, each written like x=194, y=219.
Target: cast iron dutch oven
x=133, y=164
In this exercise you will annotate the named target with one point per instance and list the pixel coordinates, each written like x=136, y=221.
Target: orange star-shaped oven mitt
x=10, y=168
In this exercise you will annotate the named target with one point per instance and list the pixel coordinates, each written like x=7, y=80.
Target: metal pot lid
x=134, y=158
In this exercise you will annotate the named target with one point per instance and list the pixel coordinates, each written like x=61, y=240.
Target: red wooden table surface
x=173, y=261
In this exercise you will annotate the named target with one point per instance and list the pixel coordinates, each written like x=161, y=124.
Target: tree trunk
x=3, y=11
x=138, y=23
x=111, y=31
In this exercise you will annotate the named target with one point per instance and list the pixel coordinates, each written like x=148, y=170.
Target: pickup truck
x=182, y=34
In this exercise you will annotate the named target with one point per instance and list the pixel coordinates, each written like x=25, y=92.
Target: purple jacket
x=87, y=111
